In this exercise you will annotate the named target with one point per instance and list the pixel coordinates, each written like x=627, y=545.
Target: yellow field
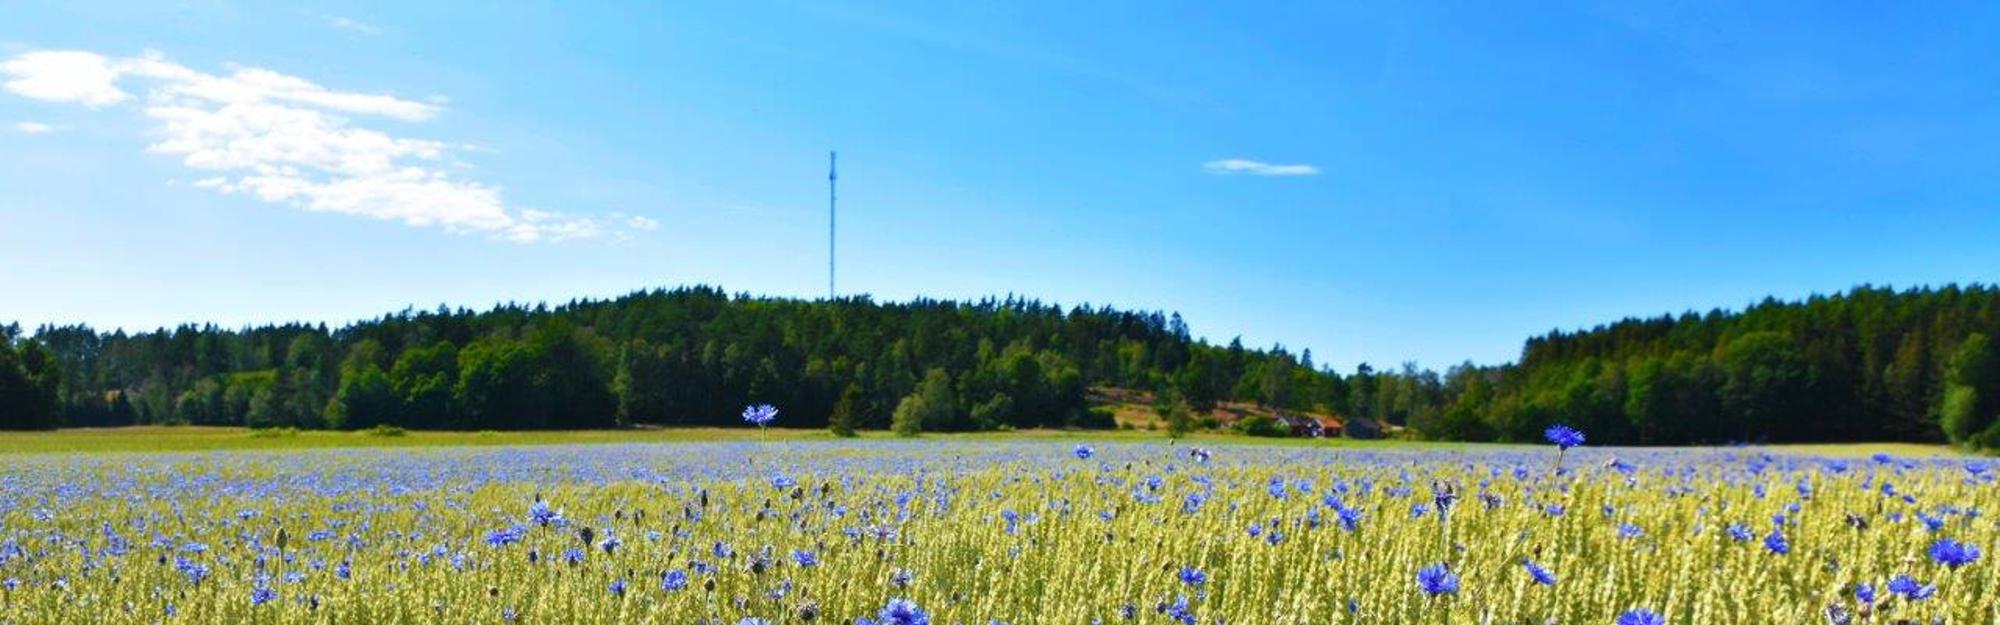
x=708, y=527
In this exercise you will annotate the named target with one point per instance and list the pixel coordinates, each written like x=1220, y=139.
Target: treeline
x=690, y=356
x=1869, y=364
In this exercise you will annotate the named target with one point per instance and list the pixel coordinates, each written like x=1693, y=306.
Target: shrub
x=1097, y=419
x=1260, y=425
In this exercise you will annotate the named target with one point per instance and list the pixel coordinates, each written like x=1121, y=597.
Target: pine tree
x=847, y=411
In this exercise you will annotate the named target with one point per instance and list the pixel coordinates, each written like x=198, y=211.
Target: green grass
x=194, y=438
x=198, y=438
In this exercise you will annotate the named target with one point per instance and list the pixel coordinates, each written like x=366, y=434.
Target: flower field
x=903, y=532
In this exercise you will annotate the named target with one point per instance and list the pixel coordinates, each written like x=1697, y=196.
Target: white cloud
x=64, y=76
x=1254, y=168
x=286, y=140
x=33, y=128
x=352, y=25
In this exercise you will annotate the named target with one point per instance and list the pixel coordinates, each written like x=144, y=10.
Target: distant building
x=1307, y=425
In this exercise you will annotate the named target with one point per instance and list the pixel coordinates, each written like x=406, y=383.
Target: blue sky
x=1436, y=183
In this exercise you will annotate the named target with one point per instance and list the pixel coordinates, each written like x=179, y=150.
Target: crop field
x=1020, y=531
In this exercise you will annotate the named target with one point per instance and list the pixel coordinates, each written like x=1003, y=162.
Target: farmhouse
x=1313, y=426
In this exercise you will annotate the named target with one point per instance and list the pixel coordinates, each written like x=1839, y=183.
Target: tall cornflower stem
x=761, y=415
x=1564, y=437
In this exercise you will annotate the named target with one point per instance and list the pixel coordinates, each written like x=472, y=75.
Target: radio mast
x=832, y=177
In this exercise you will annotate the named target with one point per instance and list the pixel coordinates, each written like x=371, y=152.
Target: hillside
x=685, y=357
x=1869, y=364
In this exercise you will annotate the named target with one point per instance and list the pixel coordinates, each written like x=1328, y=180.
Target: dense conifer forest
x=1868, y=364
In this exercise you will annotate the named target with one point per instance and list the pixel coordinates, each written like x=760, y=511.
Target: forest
x=1870, y=364
x=686, y=357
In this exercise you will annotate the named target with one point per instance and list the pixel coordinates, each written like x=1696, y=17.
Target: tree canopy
x=1868, y=364
x=688, y=356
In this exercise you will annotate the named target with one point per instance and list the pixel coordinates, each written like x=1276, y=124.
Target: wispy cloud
x=1245, y=166
x=286, y=140
x=33, y=128
x=352, y=25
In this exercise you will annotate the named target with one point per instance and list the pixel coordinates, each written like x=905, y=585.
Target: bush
x=1260, y=425
x=847, y=412
x=386, y=431
x=929, y=405
x=1180, y=420
x=1096, y=419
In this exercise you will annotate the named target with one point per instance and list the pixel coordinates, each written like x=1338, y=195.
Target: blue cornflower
x=618, y=587
x=1910, y=588
x=1193, y=576
x=193, y=571
x=901, y=578
x=573, y=556
x=1641, y=616
x=262, y=594
x=903, y=612
x=1192, y=503
x=1740, y=533
x=1864, y=593
x=539, y=513
x=1350, y=518
x=751, y=620
x=673, y=580
x=1179, y=611
x=760, y=415
x=11, y=583
x=503, y=536
x=1084, y=452
x=1953, y=554
x=610, y=543
x=805, y=558
x=1931, y=523
x=1437, y=580
x=1542, y=576
x=1628, y=530
x=1563, y=436
x=1775, y=542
